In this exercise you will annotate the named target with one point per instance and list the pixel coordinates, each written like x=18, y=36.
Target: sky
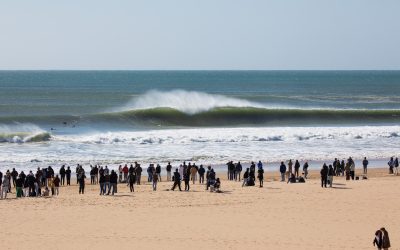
x=200, y=35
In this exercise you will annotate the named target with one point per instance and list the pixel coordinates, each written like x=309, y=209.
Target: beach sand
x=278, y=216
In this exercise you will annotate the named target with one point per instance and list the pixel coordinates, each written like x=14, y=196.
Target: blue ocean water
x=210, y=116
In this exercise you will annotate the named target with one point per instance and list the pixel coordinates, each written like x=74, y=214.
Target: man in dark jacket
x=68, y=175
x=62, y=174
x=282, y=170
x=113, y=182
x=177, y=180
x=324, y=175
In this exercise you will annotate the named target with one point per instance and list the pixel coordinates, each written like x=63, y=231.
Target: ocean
x=207, y=117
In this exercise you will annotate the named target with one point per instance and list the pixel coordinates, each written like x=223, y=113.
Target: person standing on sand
x=347, y=171
x=378, y=239
x=138, y=170
x=56, y=183
x=125, y=170
x=177, y=180
x=169, y=169
x=81, y=179
x=4, y=190
x=245, y=177
x=385, y=239
x=186, y=178
x=102, y=182
x=92, y=175
x=113, y=182
x=158, y=172
x=238, y=171
x=331, y=173
x=365, y=165
x=290, y=168
x=201, y=174
x=282, y=170
x=324, y=175
x=296, y=168
x=193, y=173
x=62, y=174
x=396, y=166
x=261, y=176
x=352, y=168
x=391, y=165
x=305, y=169
x=68, y=175
x=155, y=179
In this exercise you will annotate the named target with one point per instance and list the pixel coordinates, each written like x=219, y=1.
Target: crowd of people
x=46, y=183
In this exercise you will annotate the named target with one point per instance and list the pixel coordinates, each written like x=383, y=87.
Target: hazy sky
x=203, y=34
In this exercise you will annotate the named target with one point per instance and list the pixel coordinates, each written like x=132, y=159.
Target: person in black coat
x=324, y=175
x=177, y=180
x=62, y=174
x=68, y=175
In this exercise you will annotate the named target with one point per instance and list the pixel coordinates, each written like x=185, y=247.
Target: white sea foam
x=190, y=102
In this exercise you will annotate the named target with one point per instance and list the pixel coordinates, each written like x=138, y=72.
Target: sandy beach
x=278, y=216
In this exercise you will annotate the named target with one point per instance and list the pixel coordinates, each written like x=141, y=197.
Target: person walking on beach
x=261, y=176
x=331, y=173
x=396, y=166
x=365, y=165
x=81, y=179
x=378, y=239
x=177, y=180
x=296, y=168
x=282, y=170
x=305, y=169
x=324, y=175
x=68, y=175
x=385, y=239
x=169, y=169
x=131, y=181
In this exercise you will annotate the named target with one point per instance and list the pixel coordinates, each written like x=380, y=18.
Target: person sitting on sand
x=292, y=178
x=260, y=176
x=46, y=192
x=211, y=179
x=378, y=239
x=216, y=186
x=177, y=180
